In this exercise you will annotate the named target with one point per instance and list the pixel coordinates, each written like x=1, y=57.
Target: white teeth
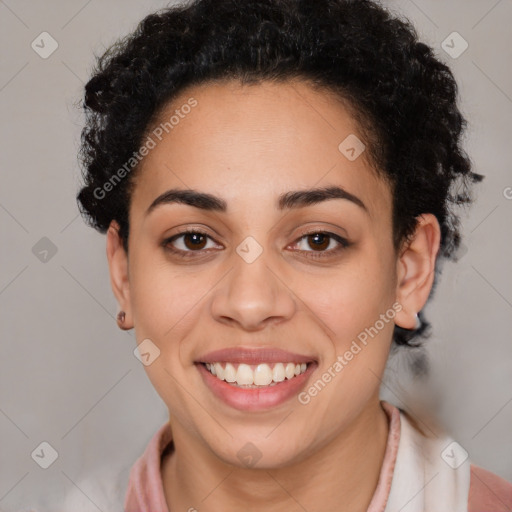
x=289, y=371
x=229, y=373
x=262, y=375
x=278, y=373
x=244, y=374
x=219, y=371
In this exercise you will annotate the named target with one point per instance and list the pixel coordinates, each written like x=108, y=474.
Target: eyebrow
x=288, y=200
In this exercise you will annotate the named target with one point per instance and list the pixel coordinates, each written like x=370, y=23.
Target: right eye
x=192, y=240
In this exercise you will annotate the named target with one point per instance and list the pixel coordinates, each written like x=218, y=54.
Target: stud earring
x=121, y=316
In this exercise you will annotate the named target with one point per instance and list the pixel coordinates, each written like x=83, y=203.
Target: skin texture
x=248, y=145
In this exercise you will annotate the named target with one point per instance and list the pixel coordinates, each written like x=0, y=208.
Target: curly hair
x=403, y=98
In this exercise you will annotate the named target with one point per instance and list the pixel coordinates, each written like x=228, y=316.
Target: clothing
x=418, y=474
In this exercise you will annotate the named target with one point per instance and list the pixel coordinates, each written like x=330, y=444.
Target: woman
x=276, y=181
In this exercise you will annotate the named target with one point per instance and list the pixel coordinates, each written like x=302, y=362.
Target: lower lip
x=255, y=399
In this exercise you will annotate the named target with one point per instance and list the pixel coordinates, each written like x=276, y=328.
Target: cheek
x=169, y=309
x=351, y=300
x=359, y=312
x=161, y=295
x=165, y=307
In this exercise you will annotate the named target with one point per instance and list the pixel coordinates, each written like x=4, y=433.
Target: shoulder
x=488, y=492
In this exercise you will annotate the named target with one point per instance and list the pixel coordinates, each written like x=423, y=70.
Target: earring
x=418, y=322
x=121, y=316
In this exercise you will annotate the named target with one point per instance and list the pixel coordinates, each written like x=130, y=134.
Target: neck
x=345, y=471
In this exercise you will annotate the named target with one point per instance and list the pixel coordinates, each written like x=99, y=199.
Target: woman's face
x=270, y=278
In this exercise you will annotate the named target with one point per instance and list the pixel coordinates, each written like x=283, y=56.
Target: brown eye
x=318, y=241
x=188, y=242
x=194, y=240
x=319, y=244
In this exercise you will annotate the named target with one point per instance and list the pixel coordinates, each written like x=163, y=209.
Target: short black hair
x=403, y=97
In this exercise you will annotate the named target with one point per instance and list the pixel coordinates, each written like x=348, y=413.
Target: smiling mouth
x=255, y=375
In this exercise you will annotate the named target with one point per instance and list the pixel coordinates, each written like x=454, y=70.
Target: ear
x=118, y=267
x=416, y=269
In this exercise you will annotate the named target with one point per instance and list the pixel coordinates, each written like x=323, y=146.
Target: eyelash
x=343, y=244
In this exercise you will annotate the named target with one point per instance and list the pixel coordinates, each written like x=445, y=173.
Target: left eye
x=322, y=242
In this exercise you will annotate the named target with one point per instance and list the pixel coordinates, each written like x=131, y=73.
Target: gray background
x=69, y=377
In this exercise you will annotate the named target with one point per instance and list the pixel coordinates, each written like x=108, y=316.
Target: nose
x=253, y=295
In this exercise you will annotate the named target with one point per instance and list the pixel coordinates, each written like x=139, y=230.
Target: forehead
x=249, y=143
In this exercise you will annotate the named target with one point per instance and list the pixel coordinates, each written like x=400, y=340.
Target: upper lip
x=253, y=356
